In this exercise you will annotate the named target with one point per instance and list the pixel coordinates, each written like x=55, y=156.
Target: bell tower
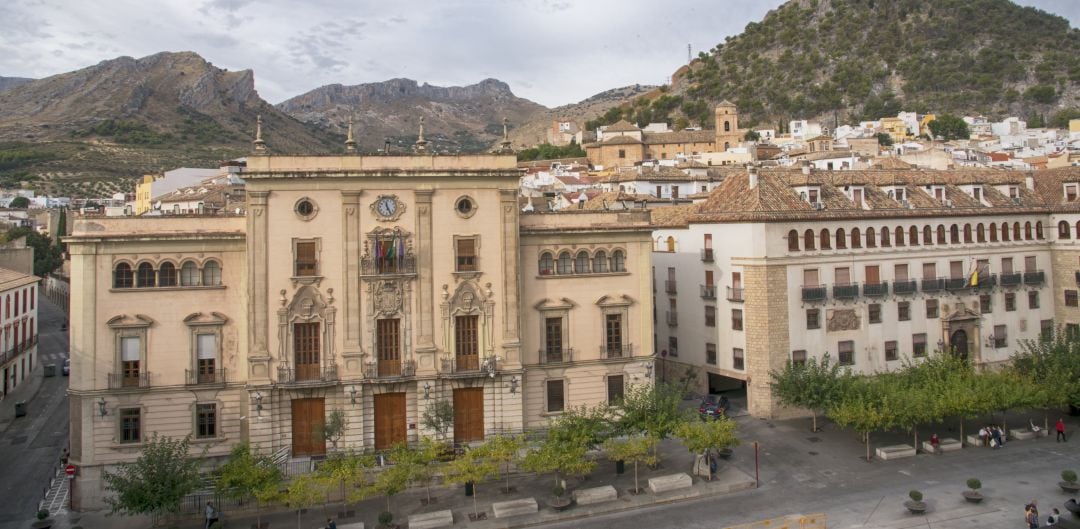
x=727, y=126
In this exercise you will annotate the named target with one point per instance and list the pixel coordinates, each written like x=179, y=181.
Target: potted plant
x=915, y=505
x=973, y=495
x=43, y=521
x=1069, y=483
x=386, y=519
x=559, y=502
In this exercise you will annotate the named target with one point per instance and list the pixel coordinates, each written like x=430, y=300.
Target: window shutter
x=207, y=346
x=129, y=349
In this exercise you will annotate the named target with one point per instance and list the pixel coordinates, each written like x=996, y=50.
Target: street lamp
x=427, y=390
x=352, y=395
x=258, y=402
x=101, y=407
x=513, y=385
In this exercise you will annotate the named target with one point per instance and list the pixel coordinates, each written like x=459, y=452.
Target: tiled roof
x=621, y=126
x=682, y=136
x=605, y=200
x=10, y=279
x=889, y=162
x=674, y=216
x=620, y=140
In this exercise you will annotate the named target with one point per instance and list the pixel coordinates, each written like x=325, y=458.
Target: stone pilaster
x=258, y=285
x=511, y=273
x=350, y=207
x=1064, y=266
x=767, y=339
x=425, y=313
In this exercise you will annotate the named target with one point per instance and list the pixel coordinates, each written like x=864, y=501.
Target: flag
x=973, y=281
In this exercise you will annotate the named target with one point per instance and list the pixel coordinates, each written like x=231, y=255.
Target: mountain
x=11, y=82
x=846, y=60
x=534, y=130
x=94, y=130
x=456, y=118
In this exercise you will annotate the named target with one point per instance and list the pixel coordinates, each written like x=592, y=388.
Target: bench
x=431, y=520
x=1021, y=435
x=504, y=509
x=974, y=440
x=355, y=525
x=944, y=445
x=595, y=495
x=670, y=482
x=895, y=452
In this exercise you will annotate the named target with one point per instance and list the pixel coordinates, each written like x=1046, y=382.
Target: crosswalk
x=56, y=500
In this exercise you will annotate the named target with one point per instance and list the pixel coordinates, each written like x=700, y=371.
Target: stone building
x=365, y=288
x=18, y=327
x=623, y=144
x=873, y=267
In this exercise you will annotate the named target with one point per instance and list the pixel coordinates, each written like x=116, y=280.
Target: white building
x=18, y=327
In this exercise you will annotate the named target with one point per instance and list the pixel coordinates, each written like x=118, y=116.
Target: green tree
x=568, y=440
x=751, y=135
x=814, y=385
x=304, y=492
x=949, y=127
x=699, y=437
x=439, y=417
x=47, y=256
x=333, y=427
x=653, y=409
x=352, y=471
x=636, y=450
x=1061, y=118
x=156, y=482
x=884, y=139
x=860, y=409
x=504, y=450
x=1044, y=94
x=394, y=478
x=19, y=202
x=249, y=474
x=474, y=466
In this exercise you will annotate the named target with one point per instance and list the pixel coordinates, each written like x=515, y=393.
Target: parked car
x=713, y=407
x=66, y=370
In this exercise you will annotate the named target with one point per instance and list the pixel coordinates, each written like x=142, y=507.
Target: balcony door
x=613, y=337
x=306, y=350
x=389, y=420
x=553, y=339
x=467, y=342
x=308, y=420
x=388, y=346
x=468, y=415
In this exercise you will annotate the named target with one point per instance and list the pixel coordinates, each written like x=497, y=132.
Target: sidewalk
x=26, y=391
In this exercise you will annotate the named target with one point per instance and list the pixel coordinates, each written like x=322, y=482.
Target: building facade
x=366, y=289
x=18, y=327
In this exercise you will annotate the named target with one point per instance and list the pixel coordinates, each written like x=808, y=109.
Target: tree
x=395, y=477
x=884, y=139
x=439, y=417
x=503, y=450
x=815, y=385
x=701, y=436
x=751, y=135
x=156, y=482
x=949, y=127
x=637, y=449
x=19, y=202
x=333, y=427
x=860, y=410
x=47, y=256
x=1053, y=363
x=653, y=409
x=303, y=492
x=473, y=466
x=351, y=471
x=421, y=461
x=246, y=473
x=568, y=440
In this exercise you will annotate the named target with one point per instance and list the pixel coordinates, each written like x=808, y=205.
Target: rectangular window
x=738, y=359
x=615, y=389
x=810, y=277
x=553, y=339
x=467, y=342
x=708, y=278
x=466, y=255
x=710, y=316
x=1000, y=336
x=976, y=192
x=918, y=344
x=798, y=357
x=306, y=262
x=1033, y=299
x=1006, y=265
x=891, y=351
x=984, y=304
x=1070, y=298
x=1010, y=301
x=710, y=353
x=205, y=421
x=900, y=272
x=929, y=271
x=874, y=310
x=613, y=334
x=736, y=319
x=1046, y=330
x=1029, y=264
x=846, y=352
x=931, y=308
x=813, y=318
x=673, y=345
x=555, y=398
x=130, y=425
x=206, y=346
x=956, y=269
x=1070, y=193
x=842, y=275
x=736, y=280
x=873, y=274
x=1072, y=331
x=130, y=355
x=903, y=311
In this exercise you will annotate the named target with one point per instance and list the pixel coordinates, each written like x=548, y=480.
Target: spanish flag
x=973, y=281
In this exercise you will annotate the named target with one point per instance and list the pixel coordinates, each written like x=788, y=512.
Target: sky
x=553, y=52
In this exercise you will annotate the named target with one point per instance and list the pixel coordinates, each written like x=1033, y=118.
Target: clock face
x=386, y=206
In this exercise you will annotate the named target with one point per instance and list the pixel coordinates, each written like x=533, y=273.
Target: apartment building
x=18, y=326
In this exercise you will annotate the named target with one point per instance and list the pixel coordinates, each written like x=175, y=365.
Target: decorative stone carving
x=843, y=320
x=388, y=297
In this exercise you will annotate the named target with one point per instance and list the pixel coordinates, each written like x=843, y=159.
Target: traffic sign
x=70, y=471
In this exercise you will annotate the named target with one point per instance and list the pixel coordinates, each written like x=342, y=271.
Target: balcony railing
x=557, y=355
x=390, y=369
x=735, y=294
x=669, y=287
x=709, y=291
x=672, y=318
x=624, y=350
x=707, y=255
x=307, y=374
x=1011, y=279
x=986, y=282
x=904, y=287
x=382, y=266
x=213, y=376
x=876, y=290
x=1036, y=277
x=468, y=364
x=125, y=380
x=933, y=284
x=845, y=290
x=956, y=284
x=17, y=350
x=815, y=293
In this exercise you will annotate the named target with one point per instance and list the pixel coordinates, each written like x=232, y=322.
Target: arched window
x=841, y=239
x=856, y=238
x=671, y=244
x=618, y=261
x=1027, y=231
x=980, y=233
x=546, y=264
x=211, y=273
x=885, y=242
x=581, y=263
x=967, y=233
x=808, y=239
x=144, y=276
x=1005, y=232
x=913, y=236
x=1063, y=230
x=954, y=234
x=727, y=126
x=565, y=263
x=824, y=240
x=599, y=264
x=927, y=235
x=1039, y=230
x=189, y=274
x=871, y=238
x=899, y=235
x=122, y=276
x=940, y=234
x=793, y=241
x=993, y=232
x=167, y=275
x=1016, y=232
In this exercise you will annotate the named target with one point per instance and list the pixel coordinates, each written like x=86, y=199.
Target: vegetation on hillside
x=547, y=151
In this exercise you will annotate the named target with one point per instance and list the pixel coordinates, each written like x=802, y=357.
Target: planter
x=1070, y=486
x=1072, y=507
x=42, y=524
x=560, y=504
x=916, y=507
x=724, y=453
x=266, y=525
x=973, y=496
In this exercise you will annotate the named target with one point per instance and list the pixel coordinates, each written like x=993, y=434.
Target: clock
x=386, y=206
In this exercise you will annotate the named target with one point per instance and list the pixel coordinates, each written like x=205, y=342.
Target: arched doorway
x=959, y=343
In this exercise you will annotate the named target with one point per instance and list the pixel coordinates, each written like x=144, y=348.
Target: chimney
x=806, y=167
x=752, y=171
x=1029, y=181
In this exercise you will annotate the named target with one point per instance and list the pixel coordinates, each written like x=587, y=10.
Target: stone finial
x=421, y=145
x=260, y=145
x=350, y=143
x=504, y=146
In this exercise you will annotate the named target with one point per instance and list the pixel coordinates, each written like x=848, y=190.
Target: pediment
x=200, y=318
x=555, y=304
x=123, y=321
x=962, y=312
x=621, y=300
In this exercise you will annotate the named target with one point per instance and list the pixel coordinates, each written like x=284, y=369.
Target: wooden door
x=468, y=415
x=389, y=420
x=467, y=341
x=308, y=419
x=388, y=346
x=306, y=350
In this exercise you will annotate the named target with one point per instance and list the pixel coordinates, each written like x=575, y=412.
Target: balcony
x=17, y=350
x=470, y=365
x=307, y=375
x=957, y=284
x=706, y=255
x=625, y=350
x=557, y=355
x=388, y=267
x=1078, y=277
x=201, y=378
x=904, y=287
x=1036, y=277
x=934, y=284
x=709, y=291
x=129, y=380
x=673, y=318
x=876, y=290
x=735, y=294
x=986, y=282
x=815, y=293
x=390, y=369
x=845, y=291
x=669, y=287
x=1011, y=279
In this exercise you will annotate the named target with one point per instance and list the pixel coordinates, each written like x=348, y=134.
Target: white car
x=66, y=369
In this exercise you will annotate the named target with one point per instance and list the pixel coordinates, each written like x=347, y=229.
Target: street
x=32, y=444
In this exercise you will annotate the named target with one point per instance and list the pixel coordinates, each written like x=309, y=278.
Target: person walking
x=1031, y=515
x=211, y=515
x=1052, y=520
x=1060, y=427
x=330, y=523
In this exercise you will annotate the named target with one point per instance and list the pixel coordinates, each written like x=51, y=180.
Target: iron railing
x=707, y=255
x=932, y=284
x=876, y=290
x=614, y=350
x=735, y=294
x=307, y=375
x=709, y=291
x=383, y=266
x=904, y=287
x=845, y=290
x=390, y=369
x=955, y=284
x=815, y=293
x=213, y=376
x=673, y=318
x=1035, y=277
x=1011, y=279
x=670, y=287
x=556, y=355
x=126, y=380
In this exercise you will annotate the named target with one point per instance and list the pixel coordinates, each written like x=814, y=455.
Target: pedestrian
x=935, y=442
x=984, y=436
x=1052, y=520
x=211, y=515
x=712, y=464
x=330, y=523
x=1032, y=515
x=1060, y=427
x=995, y=435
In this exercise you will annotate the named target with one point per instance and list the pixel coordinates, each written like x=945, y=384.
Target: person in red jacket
x=1060, y=427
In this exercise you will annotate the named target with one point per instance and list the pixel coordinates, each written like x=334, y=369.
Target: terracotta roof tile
x=622, y=126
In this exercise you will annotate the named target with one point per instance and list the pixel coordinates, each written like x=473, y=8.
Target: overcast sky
x=553, y=52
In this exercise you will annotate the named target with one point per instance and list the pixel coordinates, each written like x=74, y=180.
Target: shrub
x=386, y=517
x=1069, y=476
x=558, y=491
x=42, y=514
x=915, y=495
x=974, y=484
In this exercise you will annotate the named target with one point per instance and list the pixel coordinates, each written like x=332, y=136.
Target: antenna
x=688, y=54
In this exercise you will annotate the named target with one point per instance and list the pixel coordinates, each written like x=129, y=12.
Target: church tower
x=727, y=126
